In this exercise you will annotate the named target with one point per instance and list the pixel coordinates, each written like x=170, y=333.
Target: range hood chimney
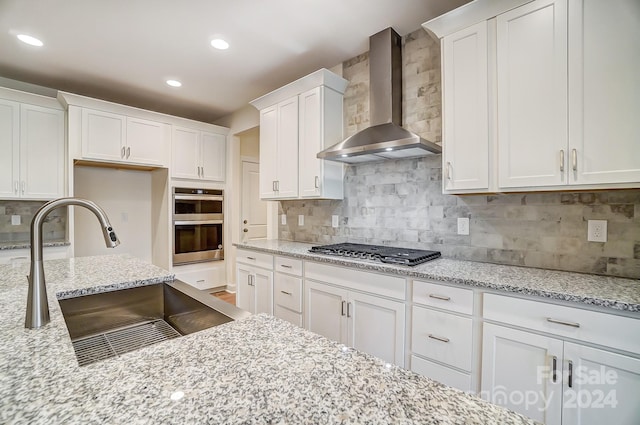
x=385, y=138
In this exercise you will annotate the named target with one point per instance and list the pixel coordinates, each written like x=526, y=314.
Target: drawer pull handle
x=555, y=368
x=439, y=338
x=562, y=322
x=251, y=258
x=286, y=293
x=440, y=297
x=342, y=313
x=286, y=266
x=570, y=374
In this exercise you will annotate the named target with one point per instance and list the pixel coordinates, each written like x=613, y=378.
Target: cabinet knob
x=245, y=230
x=245, y=221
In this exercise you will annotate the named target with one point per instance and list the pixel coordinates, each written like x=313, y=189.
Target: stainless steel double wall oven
x=197, y=225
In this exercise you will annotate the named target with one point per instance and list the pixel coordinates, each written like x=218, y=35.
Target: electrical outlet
x=301, y=220
x=15, y=220
x=597, y=231
x=283, y=219
x=335, y=221
x=463, y=225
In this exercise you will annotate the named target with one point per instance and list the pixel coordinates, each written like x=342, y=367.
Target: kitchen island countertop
x=256, y=370
x=615, y=293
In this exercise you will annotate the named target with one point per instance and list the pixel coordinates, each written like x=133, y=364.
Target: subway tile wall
x=401, y=202
x=53, y=228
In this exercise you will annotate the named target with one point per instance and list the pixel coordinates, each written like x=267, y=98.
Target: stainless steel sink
x=112, y=323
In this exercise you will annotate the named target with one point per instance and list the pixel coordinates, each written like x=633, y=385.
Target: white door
x=263, y=285
x=246, y=294
x=532, y=94
x=254, y=210
x=268, y=151
x=376, y=326
x=604, y=91
x=10, y=148
x=41, y=152
x=310, y=142
x=326, y=311
x=213, y=156
x=518, y=372
x=465, y=159
x=287, y=157
x=185, y=153
x=103, y=135
x=146, y=141
x=605, y=387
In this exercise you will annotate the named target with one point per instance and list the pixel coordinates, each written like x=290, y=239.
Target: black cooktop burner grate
x=385, y=254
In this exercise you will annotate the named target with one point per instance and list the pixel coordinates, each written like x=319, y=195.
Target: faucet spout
x=37, y=304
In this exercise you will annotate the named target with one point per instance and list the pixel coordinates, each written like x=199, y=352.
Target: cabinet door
x=604, y=387
x=604, y=91
x=326, y=311
x=213, y=156
x=532, y=94
x=287, y=149
x=103, y=135
x=268, y=151
x=146, y=141
x=246, y=294
x=310, y=142
x=41, y=152
x=518, y=372
x=376, y=326
x=10, y=148
x=465, y=118
x=263, y=285
x=185, y=149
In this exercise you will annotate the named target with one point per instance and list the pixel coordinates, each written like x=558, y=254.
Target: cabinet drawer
x=288, y=315
x=446, y=297
x=441, y=336
x=288, y=292
x=447, y=376
x=288, y=265
x=584, y=325
x=254, y=258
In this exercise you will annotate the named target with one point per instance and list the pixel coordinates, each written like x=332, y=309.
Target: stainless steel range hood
x=385, y=139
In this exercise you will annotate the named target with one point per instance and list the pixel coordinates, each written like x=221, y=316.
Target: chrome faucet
x=37, y=305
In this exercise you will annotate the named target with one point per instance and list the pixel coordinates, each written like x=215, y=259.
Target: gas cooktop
x=385, y=254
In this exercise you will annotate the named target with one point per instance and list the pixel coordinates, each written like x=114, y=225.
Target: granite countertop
x=256, y=370
x=26, y=245
x=610, y=292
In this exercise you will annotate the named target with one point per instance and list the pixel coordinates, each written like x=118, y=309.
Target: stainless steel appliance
x=197, y=225
x=384, y=254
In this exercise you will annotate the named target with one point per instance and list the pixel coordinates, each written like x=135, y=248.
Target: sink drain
x=117, y=342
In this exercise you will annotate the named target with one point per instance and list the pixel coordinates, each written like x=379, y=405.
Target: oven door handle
x=198, y=197
x=190, y=222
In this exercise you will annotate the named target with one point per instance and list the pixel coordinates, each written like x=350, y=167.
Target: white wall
x=125, y=196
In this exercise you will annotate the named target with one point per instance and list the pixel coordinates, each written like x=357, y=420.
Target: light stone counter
x=609, y=292
x=257, y=370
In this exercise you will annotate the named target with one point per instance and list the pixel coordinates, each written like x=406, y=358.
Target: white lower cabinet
x=254, y=289
x=555, y=381
x=287, y=290
x=366, y=322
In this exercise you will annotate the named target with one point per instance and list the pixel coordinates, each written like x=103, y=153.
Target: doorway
x=254, y=211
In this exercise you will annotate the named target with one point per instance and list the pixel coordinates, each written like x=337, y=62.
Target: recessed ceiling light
x=219, y=44
x=30, y=40
x=174, y=83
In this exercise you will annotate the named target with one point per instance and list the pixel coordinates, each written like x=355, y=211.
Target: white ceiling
x=124, y=50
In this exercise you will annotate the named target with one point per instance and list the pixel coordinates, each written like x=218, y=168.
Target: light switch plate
x=335, y=221
x=283, y=219
x=463, y=225
x=301, y=220
x=15, y=220
x=597, y=231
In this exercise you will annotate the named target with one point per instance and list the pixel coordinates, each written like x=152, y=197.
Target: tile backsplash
x=401, y=202
x=54, y=227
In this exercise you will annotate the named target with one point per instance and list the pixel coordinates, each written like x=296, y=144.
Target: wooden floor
x=229, y=297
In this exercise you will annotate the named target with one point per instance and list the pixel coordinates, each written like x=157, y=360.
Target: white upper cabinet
x=532, y=94
x=32, y=141
x=465, y=117
x=296, y=122
x=118, y=138
x=562, y=95
x=198, y=155
x=604, y=92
